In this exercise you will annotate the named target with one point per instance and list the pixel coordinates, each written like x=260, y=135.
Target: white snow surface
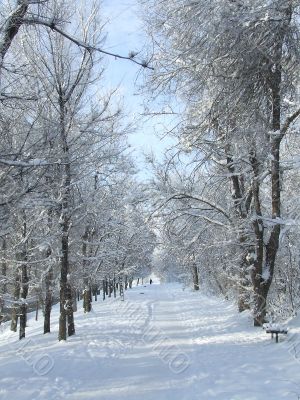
x=161, y=343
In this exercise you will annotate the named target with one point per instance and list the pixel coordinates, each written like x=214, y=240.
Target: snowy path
x=160, y=345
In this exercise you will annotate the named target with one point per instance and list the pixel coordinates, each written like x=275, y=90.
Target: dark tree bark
x=87, y=295
x=267, y=253
x=48, y=300
x=115, y=286
x=242, y=202
x=11, y=28
x=3, y=288
x=70, y=311
x=2, y=304
x=109, y=288
x=4, y=266
x=23, y=311
x=66, y=308
x=23, y=296
x=195, y=277
x=103, y=289
x=15, y=308
x=37, y=306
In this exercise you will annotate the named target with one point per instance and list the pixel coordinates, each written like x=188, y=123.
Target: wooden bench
x=275, y=329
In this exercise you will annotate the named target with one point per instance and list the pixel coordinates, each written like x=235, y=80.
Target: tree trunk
x=74, y=299
x=70, y=311
x=3, y=267
x=241, y=202
x=23, y=296
x=264, y=277
x=87, y=306
x=195, y=277
x=110, y=288
x=2, y=304
x=48, y=300
x=103, y=289
x=62, y=335
x=66, y=309
x=115, y=288
x=37, y=306
x=62, y=330
x=23, y=311
x=3, y=288
x=15, y=308
x=121, y=290
x=11, y=28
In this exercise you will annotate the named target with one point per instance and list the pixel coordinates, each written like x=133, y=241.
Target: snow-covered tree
x=235, y=65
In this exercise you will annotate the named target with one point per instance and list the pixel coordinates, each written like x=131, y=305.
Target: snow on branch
x=181, y=196
x=6, y=96
x=11, y=27
x=25, y=164
x=52, y=25
x=207, y=219
x=289, y=121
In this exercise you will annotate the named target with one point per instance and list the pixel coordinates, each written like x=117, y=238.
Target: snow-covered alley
x=161, y=343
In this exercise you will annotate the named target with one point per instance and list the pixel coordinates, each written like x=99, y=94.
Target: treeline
x=227, y=194
x=71, y=213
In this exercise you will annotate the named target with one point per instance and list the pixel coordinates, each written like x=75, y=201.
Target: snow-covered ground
x=161, y=343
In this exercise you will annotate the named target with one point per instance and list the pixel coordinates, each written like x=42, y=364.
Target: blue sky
x=125, y=34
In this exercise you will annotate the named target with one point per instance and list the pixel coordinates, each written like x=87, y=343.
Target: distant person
x=151, y=281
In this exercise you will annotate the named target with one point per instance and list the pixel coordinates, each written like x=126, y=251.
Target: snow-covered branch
x=54, y=27
x=289, y=121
